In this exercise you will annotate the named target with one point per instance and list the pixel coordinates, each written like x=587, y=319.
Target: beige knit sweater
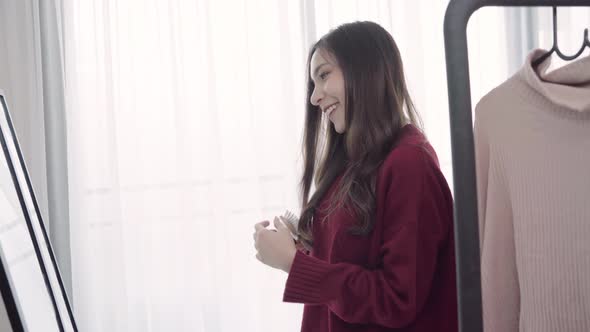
x=532, y=136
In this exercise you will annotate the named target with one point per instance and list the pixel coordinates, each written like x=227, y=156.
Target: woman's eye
x=324, y=75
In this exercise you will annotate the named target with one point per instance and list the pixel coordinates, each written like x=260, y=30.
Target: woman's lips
x=331, y=109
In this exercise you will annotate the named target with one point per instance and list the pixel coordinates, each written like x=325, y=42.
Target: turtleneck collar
x=566, y=87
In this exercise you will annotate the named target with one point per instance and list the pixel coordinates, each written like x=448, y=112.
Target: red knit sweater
x=401, y=277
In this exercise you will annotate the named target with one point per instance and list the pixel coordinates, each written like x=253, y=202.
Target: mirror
x=31, y=286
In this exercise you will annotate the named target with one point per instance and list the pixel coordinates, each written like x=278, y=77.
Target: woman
x=377, y=250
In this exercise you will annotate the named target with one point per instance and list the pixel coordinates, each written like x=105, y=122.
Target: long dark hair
x=378, y=105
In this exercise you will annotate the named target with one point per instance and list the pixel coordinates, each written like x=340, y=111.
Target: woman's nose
x=316, y=97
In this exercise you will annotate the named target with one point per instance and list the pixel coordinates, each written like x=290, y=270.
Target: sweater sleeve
x=417, y=205
x=500, y=288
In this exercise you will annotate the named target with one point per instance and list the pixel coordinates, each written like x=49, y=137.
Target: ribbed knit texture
x=305, y=280
x=532, y=136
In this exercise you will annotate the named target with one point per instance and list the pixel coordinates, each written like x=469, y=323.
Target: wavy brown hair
x=378, y=105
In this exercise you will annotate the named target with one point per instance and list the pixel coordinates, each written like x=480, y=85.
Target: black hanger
x=555, y=48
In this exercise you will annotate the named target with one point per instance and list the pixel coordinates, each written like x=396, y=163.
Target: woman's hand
x=276, y=248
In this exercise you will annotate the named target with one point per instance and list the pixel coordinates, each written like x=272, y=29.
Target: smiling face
x=329, y=89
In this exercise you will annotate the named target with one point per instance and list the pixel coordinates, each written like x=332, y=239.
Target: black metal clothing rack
x=466, y=224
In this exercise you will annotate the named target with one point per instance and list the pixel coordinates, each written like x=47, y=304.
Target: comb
x=293, y=220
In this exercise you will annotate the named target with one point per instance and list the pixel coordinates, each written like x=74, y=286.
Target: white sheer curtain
x=21, y=79
x=183, y=124
x=184, y=129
